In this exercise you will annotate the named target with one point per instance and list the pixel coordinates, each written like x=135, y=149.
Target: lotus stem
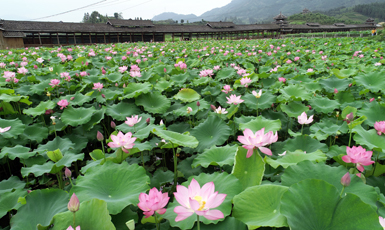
x=175, y=165
x=198, y=223
x=302, y=130
x=350, y=137
x=156, y=222
x=74, y=219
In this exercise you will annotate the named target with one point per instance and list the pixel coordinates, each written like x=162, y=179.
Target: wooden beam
x=38, y=34
x=142, y=37
x=74, y=38
x=118, y=36
x=57, y=37
x=89, y=35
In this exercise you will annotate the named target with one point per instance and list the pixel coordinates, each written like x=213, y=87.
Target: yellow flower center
x=201, y=203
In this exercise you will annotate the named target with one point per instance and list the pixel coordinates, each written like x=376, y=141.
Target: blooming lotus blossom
x=2, y=65
x=98, y=86
x=135, y=74
x=382, y=221
x=245, y=81
x=377, y=64
x=71, y=228
x=206, y=73
x=189, y=110
x=380, y=127
x=201, y=201
x=282, y=79
x=83, y=73
x=155, y=201
x=234, y=99
x=22, y=70
x=220, y=110
x=257, y=140
x=358, y=156
x=227, y=89
x=257, y=95
x=9, y=76
x=302, y=119
x=131, y=121
x=122, y=69
x=23, y=63
x=124, y=141
x=289, y=61
x=63, y=103
x=217, y=67
x=3, y=130
x=310, y=70
x=54, y=82
x=296, y=59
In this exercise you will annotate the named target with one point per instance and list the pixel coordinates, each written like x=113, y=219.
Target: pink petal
x=162, y=211
x=148, y=214
x=265, y=151
x=194, y=204
x=249, y=153
x=213, y=215
x=215, y=200
x=182, y=212
x=346, y=159
x=207, y=190
x=182, y=195
x=360, y=167
x=194, y=188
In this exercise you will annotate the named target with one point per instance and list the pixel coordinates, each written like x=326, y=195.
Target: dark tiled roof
x=7, y=34
x=339, y=24
x=221, y=24
x=131, y=23
x=313, y=24
x=280, y=16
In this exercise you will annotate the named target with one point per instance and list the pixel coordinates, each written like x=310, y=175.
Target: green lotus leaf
x=292, y=158
x=185, y=167
x=80, y=140
x=373, y=111
x=216, y=156
x=36, y=132
x=68, y=159
x=326, y=128
x=225, y=73
x=122, y=110
x=40, y=88
x=294, y=92
x=133, y=89
x=163, y=85
x=372, y=81
x=161, y=177
x=10, y=184
x=118, y=185
x=114, y=77
x=344, y=73
x=176, y=138
x=17, y=151
x=325, y=209
x=187, y=95
x=323, y=104
x=124, y=217
x=369, y=138
x=260, y=123
x=14, y=98
x=228, y=223
x=182, y=111
x=304, y=143
x=77, y=116
x=333, y=82
x=259, y=206
x=213, y=91
x=40, y=108
x=95, y=119
x=64, y=144
x=153, y=102
x=308, y=170
x=224, y=183
x=9, y=201
x=294, y=109
x=213, y=131
x=17, y=127
x=264, y=102
x=201, y=81
x=249, y=171
x=92, y=214
x=180, y=79
x=78, y=99
x=38, y=170
x=41, y=207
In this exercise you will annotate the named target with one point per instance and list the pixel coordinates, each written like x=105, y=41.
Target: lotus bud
x=350, y=116
x=116, y=84
x=161, y=122
x=72, y=98
x=213, y=107
x=86, y=63
x=74, y=203
x=165, y=70
x=198, y=103
x=35, y=66
x=113, y=125
x=99, y=136
x=148, y=120
x=371, y=99
x=67, y=172
x=103, y=96
x=345, y=180
x=335, y=90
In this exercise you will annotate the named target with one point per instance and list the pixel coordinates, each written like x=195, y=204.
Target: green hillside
x=319, y=18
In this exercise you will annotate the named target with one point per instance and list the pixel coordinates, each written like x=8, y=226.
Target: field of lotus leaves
x=267, y=134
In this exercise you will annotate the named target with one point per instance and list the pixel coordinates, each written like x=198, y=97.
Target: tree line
x=374, y=10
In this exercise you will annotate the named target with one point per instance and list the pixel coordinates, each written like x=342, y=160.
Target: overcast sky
x=147, y=9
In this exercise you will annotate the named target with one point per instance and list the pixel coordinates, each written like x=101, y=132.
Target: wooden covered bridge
x=19, y=34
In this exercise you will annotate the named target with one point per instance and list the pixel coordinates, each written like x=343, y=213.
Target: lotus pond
x=267, y=134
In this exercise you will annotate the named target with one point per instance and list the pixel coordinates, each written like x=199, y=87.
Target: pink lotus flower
x=3, y=130
x=257, y=95
x=234, y=99
x=54, y=82
x=220, y=110
x=131, y=121
x=380, y=127
x=382, y=221
x=296, y=58
x=98, y=86
x=155, y=201
x=198, y=200
x=310, y=70
x=22, y=70
x=289, y=62
x=135, y=74
x=257, y=140
x=122, y=69
x=302, y=119
x=9, y=76
x=83, y=74
x=124, y=141
x=282, y=79
x=63, y=103
x=358, y=156
x=217, y=67
x=71, y=228
x=73, y=204
x=245, y=81
x=226, y=89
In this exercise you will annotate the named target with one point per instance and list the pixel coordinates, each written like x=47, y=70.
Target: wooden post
x=172, y=37
x=131, y=37
x=164, y=37
x=74, y=39
x=57, y=37
x=153, y=37
x=104, y=35
x=67, y=38
x=118, y=36
x=38, y=34
x=89, y=35
x=142, y=37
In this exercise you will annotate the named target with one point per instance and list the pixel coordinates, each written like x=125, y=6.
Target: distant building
x=305, y=11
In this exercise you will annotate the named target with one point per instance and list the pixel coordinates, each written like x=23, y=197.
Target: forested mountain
x=319, y=18
x=375, y=10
